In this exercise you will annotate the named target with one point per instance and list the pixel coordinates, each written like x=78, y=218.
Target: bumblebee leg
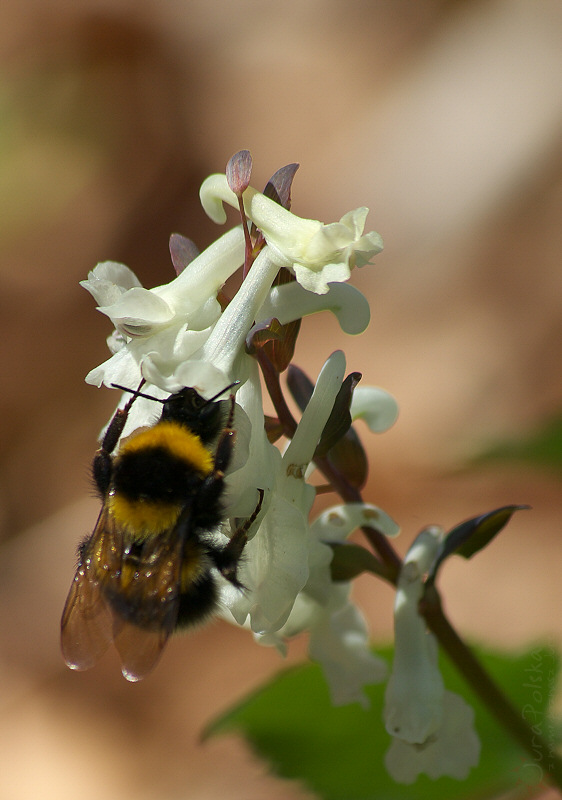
x=227, y=559
x=102, y=465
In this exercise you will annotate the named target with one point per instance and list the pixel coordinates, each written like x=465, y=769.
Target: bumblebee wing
x=87, y=624
x=151, y=597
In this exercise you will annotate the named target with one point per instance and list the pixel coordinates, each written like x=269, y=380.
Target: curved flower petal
x=155, y=358
x=291, y=301
x=138, y=312
x=120, y=368
x=276, y=562
x=338, y=633
x=453, y=750
x=108, y=281
x=227, y=342
x=376, y=406
x=336, y=523
x=203, y=376
x=301, y=448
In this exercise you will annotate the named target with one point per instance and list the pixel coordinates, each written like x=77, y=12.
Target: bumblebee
x=149, y=566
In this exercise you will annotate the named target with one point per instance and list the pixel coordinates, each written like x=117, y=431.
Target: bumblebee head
x=187, y=408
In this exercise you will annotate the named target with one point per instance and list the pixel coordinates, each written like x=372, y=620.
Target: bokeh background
x=444, y=118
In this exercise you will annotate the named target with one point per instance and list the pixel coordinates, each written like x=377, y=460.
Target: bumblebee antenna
x=222, y=391
x=138, y=393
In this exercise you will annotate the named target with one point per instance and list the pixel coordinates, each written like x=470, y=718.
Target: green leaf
x=338, y=752
x=473, y=535
x=542, y=448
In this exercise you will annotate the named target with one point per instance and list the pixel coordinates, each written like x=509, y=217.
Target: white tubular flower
x=453, y=750
x=166, y=325
x=339, y=642
x=414, y=695
x=282, y=554
x=224, y=348
x=318, y=254
x=338, y=634
x=432, y=727
x=339, y=639
x=178, y=335
x=136, y=311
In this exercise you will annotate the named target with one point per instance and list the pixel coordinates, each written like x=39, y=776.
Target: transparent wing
x=148, y=611
x=87, y=625
x=124, y=593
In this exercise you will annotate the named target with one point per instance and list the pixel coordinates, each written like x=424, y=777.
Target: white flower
x=432, y=728
x=339, y=642
x=163, y=326
x=286, y=566
x=141, y=312
x=281, y=555
x=414, y=695
x=338, y=633
x=225, y=347
x=175, y=338
x=318, y=254
x=452, y=750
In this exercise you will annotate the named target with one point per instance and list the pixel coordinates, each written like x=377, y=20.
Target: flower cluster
x=184, y=334
x=178, y=335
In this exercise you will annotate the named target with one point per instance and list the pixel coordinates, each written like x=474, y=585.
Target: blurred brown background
x=445, y=119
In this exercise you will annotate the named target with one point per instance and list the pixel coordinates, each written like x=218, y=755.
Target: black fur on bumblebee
x=149, y=566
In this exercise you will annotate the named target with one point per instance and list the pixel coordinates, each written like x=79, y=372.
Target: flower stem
x=491, y=695
x=248, y=249
x=273, y=384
